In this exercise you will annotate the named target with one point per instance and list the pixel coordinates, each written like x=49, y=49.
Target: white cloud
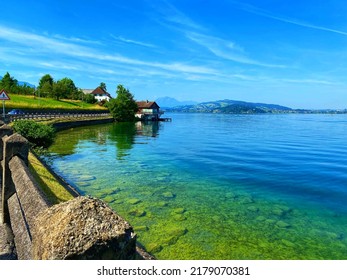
x=261, y=12
x=171, y=14
x=134, y=42
x=226, y=49
x=45, y=45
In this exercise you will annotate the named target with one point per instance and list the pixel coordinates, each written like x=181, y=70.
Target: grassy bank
x=32, y=102
x=54, y=191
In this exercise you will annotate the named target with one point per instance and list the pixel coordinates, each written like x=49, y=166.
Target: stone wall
x=66, y=125
x=82, y=228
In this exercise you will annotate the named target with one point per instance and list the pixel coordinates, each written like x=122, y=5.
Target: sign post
x=3, y=96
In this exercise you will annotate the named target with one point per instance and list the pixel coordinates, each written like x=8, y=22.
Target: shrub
x=89, y=98
x=40, y=135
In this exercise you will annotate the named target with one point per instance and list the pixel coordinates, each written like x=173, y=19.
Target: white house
x=99, y=93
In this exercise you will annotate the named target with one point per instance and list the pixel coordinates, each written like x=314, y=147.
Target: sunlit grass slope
x=31, y=102
x=54, y=191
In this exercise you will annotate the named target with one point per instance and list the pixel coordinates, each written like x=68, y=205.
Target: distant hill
x=227, y=106
x=26, y=83
x=169, y=102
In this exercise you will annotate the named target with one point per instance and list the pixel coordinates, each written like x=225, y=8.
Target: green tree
x=123, y=107
x=89, y=98
x=103, y=86
x=65, y=88
x=9, y=83
x=45, y=88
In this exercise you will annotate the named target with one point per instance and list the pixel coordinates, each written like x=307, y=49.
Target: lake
x=213, y=186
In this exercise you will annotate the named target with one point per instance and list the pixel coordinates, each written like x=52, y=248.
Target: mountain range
x=169, y=102
x=227, y=106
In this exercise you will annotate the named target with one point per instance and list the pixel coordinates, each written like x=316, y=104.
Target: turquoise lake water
x=208, y=186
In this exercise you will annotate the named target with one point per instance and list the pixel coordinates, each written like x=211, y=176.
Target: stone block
x=32, y=200
x=4, y=130
x=82, y=228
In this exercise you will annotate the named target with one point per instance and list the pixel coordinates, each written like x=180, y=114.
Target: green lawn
x=31, y=102
x=54, y=191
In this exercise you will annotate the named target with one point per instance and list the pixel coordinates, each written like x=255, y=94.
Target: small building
x=99, y=93
x=148, y=111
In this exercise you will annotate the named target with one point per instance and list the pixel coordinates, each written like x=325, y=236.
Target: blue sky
x=292, y=53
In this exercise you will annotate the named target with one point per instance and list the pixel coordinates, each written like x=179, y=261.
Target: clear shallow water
x=219, y=186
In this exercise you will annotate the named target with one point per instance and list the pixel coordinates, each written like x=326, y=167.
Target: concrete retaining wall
x=66, y=125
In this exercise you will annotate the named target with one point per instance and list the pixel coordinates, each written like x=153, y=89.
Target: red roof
x=147, y=105
x=99, y=90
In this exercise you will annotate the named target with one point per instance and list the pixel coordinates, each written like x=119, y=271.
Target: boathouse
x=148, y=111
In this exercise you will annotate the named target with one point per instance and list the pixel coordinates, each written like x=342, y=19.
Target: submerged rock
x=230, y=195
x=174, y=235
x=141, y=228
x=178, y=231
x=109, y=199
x=85, y=178
x=270, y=221
x=179, y=217
x=277, y=212
x=162, y=204
x=83, y=184
x=168, y=195
x=260, y=218
x=154, y=248
x=280, y=210
x=133, y=201
x=246, y=199
x=108, y=192
x=288, y=243
x=180, y=210
x=137, y=213
x=282, y=224
x=253, y=209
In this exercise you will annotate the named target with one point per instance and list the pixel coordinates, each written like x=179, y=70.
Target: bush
x=89, y=98
x=38, y=134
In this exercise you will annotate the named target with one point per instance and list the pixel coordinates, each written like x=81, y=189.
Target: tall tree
x=103, y=86
x=65, y=88
x=45, y=87
x=123, y=107
x=9, y=83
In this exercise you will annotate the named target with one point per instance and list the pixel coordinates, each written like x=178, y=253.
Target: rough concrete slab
x=7, y=248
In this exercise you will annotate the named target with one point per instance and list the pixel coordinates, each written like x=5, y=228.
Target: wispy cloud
x=134, y=42
x=48, y=45
x=77, y=40
x=226, y=49
x=171, y=14
x=199, y=34
x=261, y=12
x=308, y=81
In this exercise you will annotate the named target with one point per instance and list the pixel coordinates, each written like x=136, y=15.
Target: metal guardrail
x=28, y=116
